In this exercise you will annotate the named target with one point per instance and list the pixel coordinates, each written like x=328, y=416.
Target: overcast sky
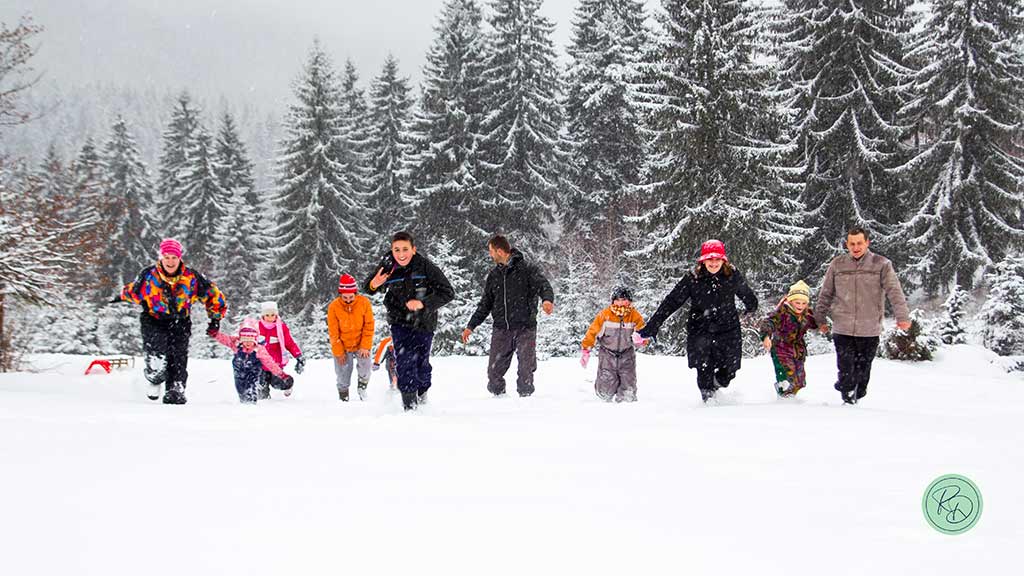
x=244, y=50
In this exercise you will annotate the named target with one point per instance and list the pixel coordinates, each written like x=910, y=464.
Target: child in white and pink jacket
x=250, y=360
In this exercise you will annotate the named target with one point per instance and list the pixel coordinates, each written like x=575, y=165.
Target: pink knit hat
x=249, y=330
x=170, y=246
x=712, y=249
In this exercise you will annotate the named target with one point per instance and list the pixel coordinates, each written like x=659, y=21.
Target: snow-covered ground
x=94, y=479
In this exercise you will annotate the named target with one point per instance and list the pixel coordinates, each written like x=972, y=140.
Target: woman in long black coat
x=714, y=344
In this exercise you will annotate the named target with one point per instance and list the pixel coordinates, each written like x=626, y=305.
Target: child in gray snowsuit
x=614, y=329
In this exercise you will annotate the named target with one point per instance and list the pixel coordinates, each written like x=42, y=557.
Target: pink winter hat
x=712, y=249
x=249, y=330
x=170, y=246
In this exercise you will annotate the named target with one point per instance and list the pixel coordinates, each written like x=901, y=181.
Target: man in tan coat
x=350, y=324
x=854, y=291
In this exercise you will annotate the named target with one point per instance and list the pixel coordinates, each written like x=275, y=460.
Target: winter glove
x=638, y=340
x=584, y=357
x=300, y=364
x=213, y=327
x=288, y=382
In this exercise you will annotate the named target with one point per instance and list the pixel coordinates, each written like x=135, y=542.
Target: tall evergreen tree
x=521, y=158
x=605, y=126
x=843, y=73
x=446, y=128
x=356, y=129
x=452, y=318
x=713, y=124
x=201, y=206
x=128, y=203
x=1003, y=316
x=53, y=177
x=322, y=224
x=88, y=207
x=389, y=124
x=243, y=249
x=178, y=143
x=579, y=300
x=968, y=174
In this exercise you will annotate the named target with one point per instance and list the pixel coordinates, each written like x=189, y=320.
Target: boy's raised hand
x=379, y=278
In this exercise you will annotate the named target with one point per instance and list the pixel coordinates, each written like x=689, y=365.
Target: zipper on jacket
x=504, y=294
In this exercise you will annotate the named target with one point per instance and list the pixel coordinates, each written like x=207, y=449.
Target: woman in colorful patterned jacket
x=783, y=334
x=167, y=291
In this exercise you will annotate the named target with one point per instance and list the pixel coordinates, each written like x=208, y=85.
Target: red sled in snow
x=115, y=362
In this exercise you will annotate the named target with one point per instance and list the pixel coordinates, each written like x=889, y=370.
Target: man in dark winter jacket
x=414, y=290
x=510, y=296
x=853, y=292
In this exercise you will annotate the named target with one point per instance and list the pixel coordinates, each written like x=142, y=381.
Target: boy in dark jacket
x=414, y=291
x=714, y=343
x=510, y=296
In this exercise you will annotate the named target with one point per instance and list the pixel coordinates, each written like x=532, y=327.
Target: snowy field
x=97, y=480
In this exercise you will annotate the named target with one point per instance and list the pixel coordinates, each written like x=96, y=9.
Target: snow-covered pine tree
x=445, y=130
x=127, y=204
x=177, y=145
x=967, y=184
x=389, y=147
x=200, y=206
x=356, y=128
x=322, y=228
x=951, y=327
x=131, y=245
x=53, y=178
x=35, y=256
x=605, y=126
x=578, y=300
x=712, y=151
x=842, y=72
x=521, y=154
x=241, y=260
x=453, y=317
x=1003, y=313
x=87, y=201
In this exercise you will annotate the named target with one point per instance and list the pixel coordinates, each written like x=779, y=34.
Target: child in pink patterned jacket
x=250, y=360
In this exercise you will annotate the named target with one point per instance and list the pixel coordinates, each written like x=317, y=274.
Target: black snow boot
x=850, y=397
x=361, y=388
x=421, y=398
x=175, y=394
x=264, y=386
x=707, y=394
x=343, y=395
x=409, y=400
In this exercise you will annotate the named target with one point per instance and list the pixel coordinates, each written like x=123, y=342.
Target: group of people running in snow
x=852, y=294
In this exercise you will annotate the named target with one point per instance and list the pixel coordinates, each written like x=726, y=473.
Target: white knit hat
x=268, y=307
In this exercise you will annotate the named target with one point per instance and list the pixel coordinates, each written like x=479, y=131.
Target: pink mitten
x=639, y=340
x=584, y=357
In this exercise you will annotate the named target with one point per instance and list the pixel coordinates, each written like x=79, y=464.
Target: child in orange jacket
x=350, y=324
x=614, y=329
x=386, y=353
